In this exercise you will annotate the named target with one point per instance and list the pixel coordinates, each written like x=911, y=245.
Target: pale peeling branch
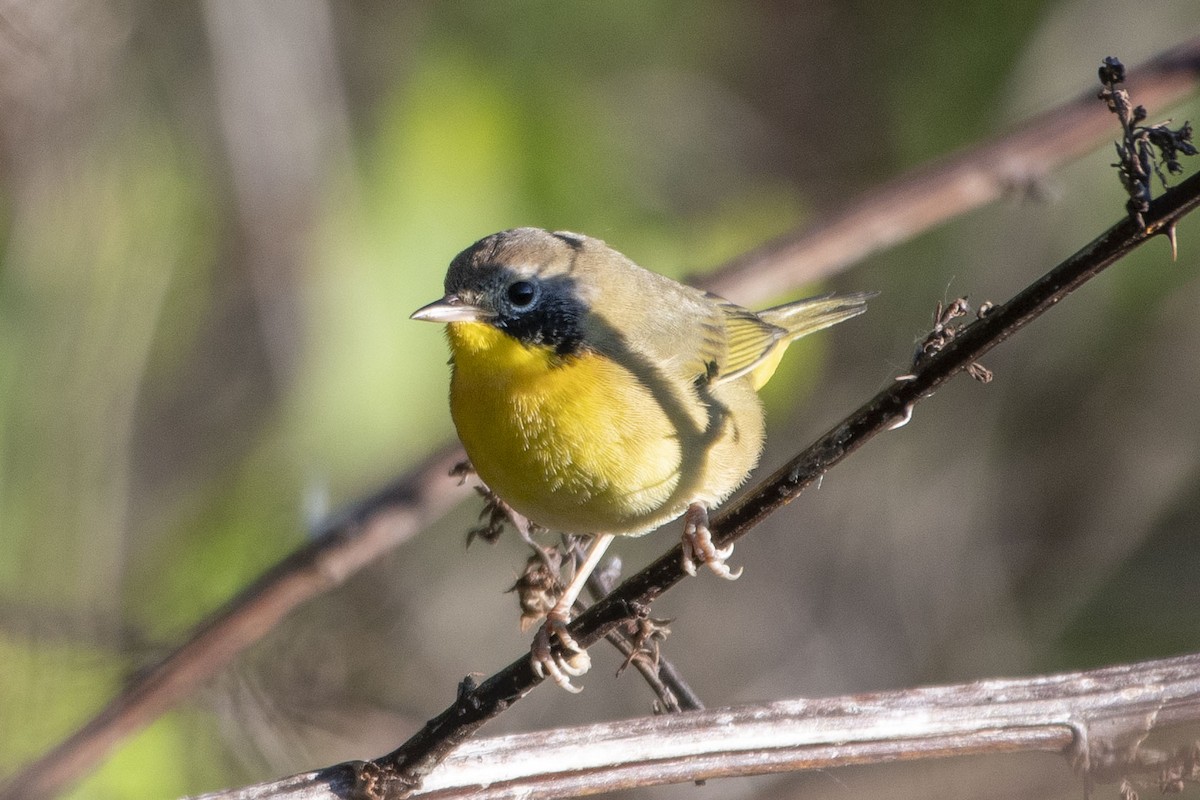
x=1099, y=720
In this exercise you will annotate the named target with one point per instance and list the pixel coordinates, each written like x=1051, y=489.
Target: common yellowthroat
x=597, y=397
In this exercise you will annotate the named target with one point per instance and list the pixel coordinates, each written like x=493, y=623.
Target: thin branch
x=356, y=537
x=946, y=188
x=404, y=768
x=360, y=534
x=1098, y=719
x=640, y=648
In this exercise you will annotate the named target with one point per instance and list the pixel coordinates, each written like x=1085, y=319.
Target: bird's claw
x=698, y=547
x=571, y=662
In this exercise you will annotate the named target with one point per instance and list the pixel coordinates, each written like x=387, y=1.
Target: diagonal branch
x=945, y=188
x=405, y=767
x=360, y=534
x=356, y=537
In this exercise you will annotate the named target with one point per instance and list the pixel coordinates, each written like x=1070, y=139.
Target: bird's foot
x=571, y=662
x=698, y=547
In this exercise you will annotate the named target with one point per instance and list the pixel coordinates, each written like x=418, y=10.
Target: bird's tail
x=803, y=317
x=816, y=313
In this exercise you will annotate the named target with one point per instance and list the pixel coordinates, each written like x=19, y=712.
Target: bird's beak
x=450, y=308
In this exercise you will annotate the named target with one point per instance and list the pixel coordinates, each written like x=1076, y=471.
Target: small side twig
x=1145, y=150
x=948, y=322
x=640, y=641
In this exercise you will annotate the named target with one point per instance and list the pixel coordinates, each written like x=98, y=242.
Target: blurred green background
x=216, y=217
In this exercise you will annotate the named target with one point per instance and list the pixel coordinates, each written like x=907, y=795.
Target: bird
x=599, y=398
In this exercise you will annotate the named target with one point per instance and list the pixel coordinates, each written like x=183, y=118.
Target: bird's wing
x=749, y=340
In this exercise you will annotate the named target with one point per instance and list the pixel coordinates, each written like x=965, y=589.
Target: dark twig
x=1098, y=720
x=880, y=218
x=1145, y=150
x=404, y=768
x=674, y=693
x=634, y=653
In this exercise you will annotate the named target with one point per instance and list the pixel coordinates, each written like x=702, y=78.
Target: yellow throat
x=576, y=444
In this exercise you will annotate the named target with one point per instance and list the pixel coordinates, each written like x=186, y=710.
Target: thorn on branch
x=466, y=692
x=1144, y=150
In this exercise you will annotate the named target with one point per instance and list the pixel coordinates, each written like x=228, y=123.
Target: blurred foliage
x=205, y=345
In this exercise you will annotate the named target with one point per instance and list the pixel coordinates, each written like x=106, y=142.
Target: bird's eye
x=522, y=294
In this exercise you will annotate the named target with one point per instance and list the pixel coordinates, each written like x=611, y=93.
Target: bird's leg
x=698, y=545
x=559, y=667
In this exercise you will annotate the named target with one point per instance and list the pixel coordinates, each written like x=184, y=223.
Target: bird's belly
x=579, y=447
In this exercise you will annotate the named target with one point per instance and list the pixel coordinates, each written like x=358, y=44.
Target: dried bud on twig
x=537, y=589
x=947, y=325
x=1145, y=150
x=646, y=635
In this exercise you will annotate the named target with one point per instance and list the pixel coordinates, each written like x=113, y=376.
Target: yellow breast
x=579, y=444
